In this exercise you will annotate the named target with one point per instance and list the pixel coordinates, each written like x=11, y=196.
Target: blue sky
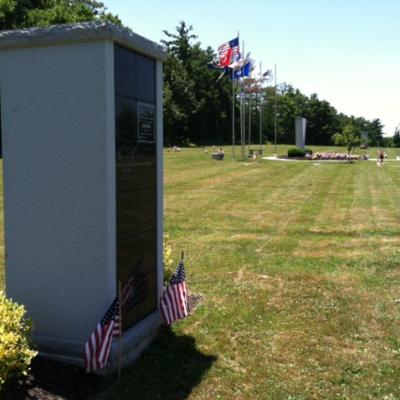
x=348, y=52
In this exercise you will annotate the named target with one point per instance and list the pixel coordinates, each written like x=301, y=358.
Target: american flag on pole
x=97, y=348
x=173, y=302
x=228, y=51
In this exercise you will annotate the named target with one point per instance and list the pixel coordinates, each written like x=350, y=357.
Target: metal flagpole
x=241, y=117
x=240, y=110
x=242, y=133
x=233, y=116
x=260, y=101
x=276, y=106
x=233, y=106
x=249, y=119
x=244, y=115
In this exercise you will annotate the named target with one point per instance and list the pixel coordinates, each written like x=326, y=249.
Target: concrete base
x=134, y=342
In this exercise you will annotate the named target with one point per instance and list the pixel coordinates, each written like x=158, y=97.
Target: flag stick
x=182, y=255
x=120, y=330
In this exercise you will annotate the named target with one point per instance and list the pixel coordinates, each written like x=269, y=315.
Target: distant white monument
x=364, y=139
x=300, y=128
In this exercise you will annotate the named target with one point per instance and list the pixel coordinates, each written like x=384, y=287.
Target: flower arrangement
x=334, y=156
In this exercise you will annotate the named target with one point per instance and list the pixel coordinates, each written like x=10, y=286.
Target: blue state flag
x=244, y=71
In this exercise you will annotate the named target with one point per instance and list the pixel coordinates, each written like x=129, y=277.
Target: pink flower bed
x=332, y=156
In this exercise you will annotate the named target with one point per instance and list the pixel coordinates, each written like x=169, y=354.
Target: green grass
x=298, y=266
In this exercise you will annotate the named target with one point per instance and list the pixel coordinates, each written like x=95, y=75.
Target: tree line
x=197, y=104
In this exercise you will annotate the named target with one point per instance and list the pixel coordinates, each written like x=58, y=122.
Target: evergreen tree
x=396, y=138
x=196, y=106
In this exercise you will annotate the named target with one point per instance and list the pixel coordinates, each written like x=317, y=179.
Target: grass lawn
x=298, y=266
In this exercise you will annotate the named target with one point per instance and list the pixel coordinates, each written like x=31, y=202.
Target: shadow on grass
x=51, y=380
x=169, y=370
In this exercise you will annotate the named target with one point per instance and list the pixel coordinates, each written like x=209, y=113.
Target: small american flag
x=97, y=348
x=173, y=302
x=228, y=51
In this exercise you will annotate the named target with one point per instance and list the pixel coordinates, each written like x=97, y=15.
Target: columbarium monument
x=81, y=114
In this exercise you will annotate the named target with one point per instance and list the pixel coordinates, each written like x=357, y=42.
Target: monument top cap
x=80, y=32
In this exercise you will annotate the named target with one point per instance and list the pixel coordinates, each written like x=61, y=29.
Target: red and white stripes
x=173, y=303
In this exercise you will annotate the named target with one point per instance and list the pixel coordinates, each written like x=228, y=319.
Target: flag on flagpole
x=245, y=71
x=239, y=61
x=173, y=302
x=97, y=348
x=266, y=76
x=228, y=51
x=267, y=73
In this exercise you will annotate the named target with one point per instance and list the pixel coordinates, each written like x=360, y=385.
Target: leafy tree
x=291, y=104
x=322, y=120
x=29, y=13
x=350, y=137
x=13, y=12
x=268, y=113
